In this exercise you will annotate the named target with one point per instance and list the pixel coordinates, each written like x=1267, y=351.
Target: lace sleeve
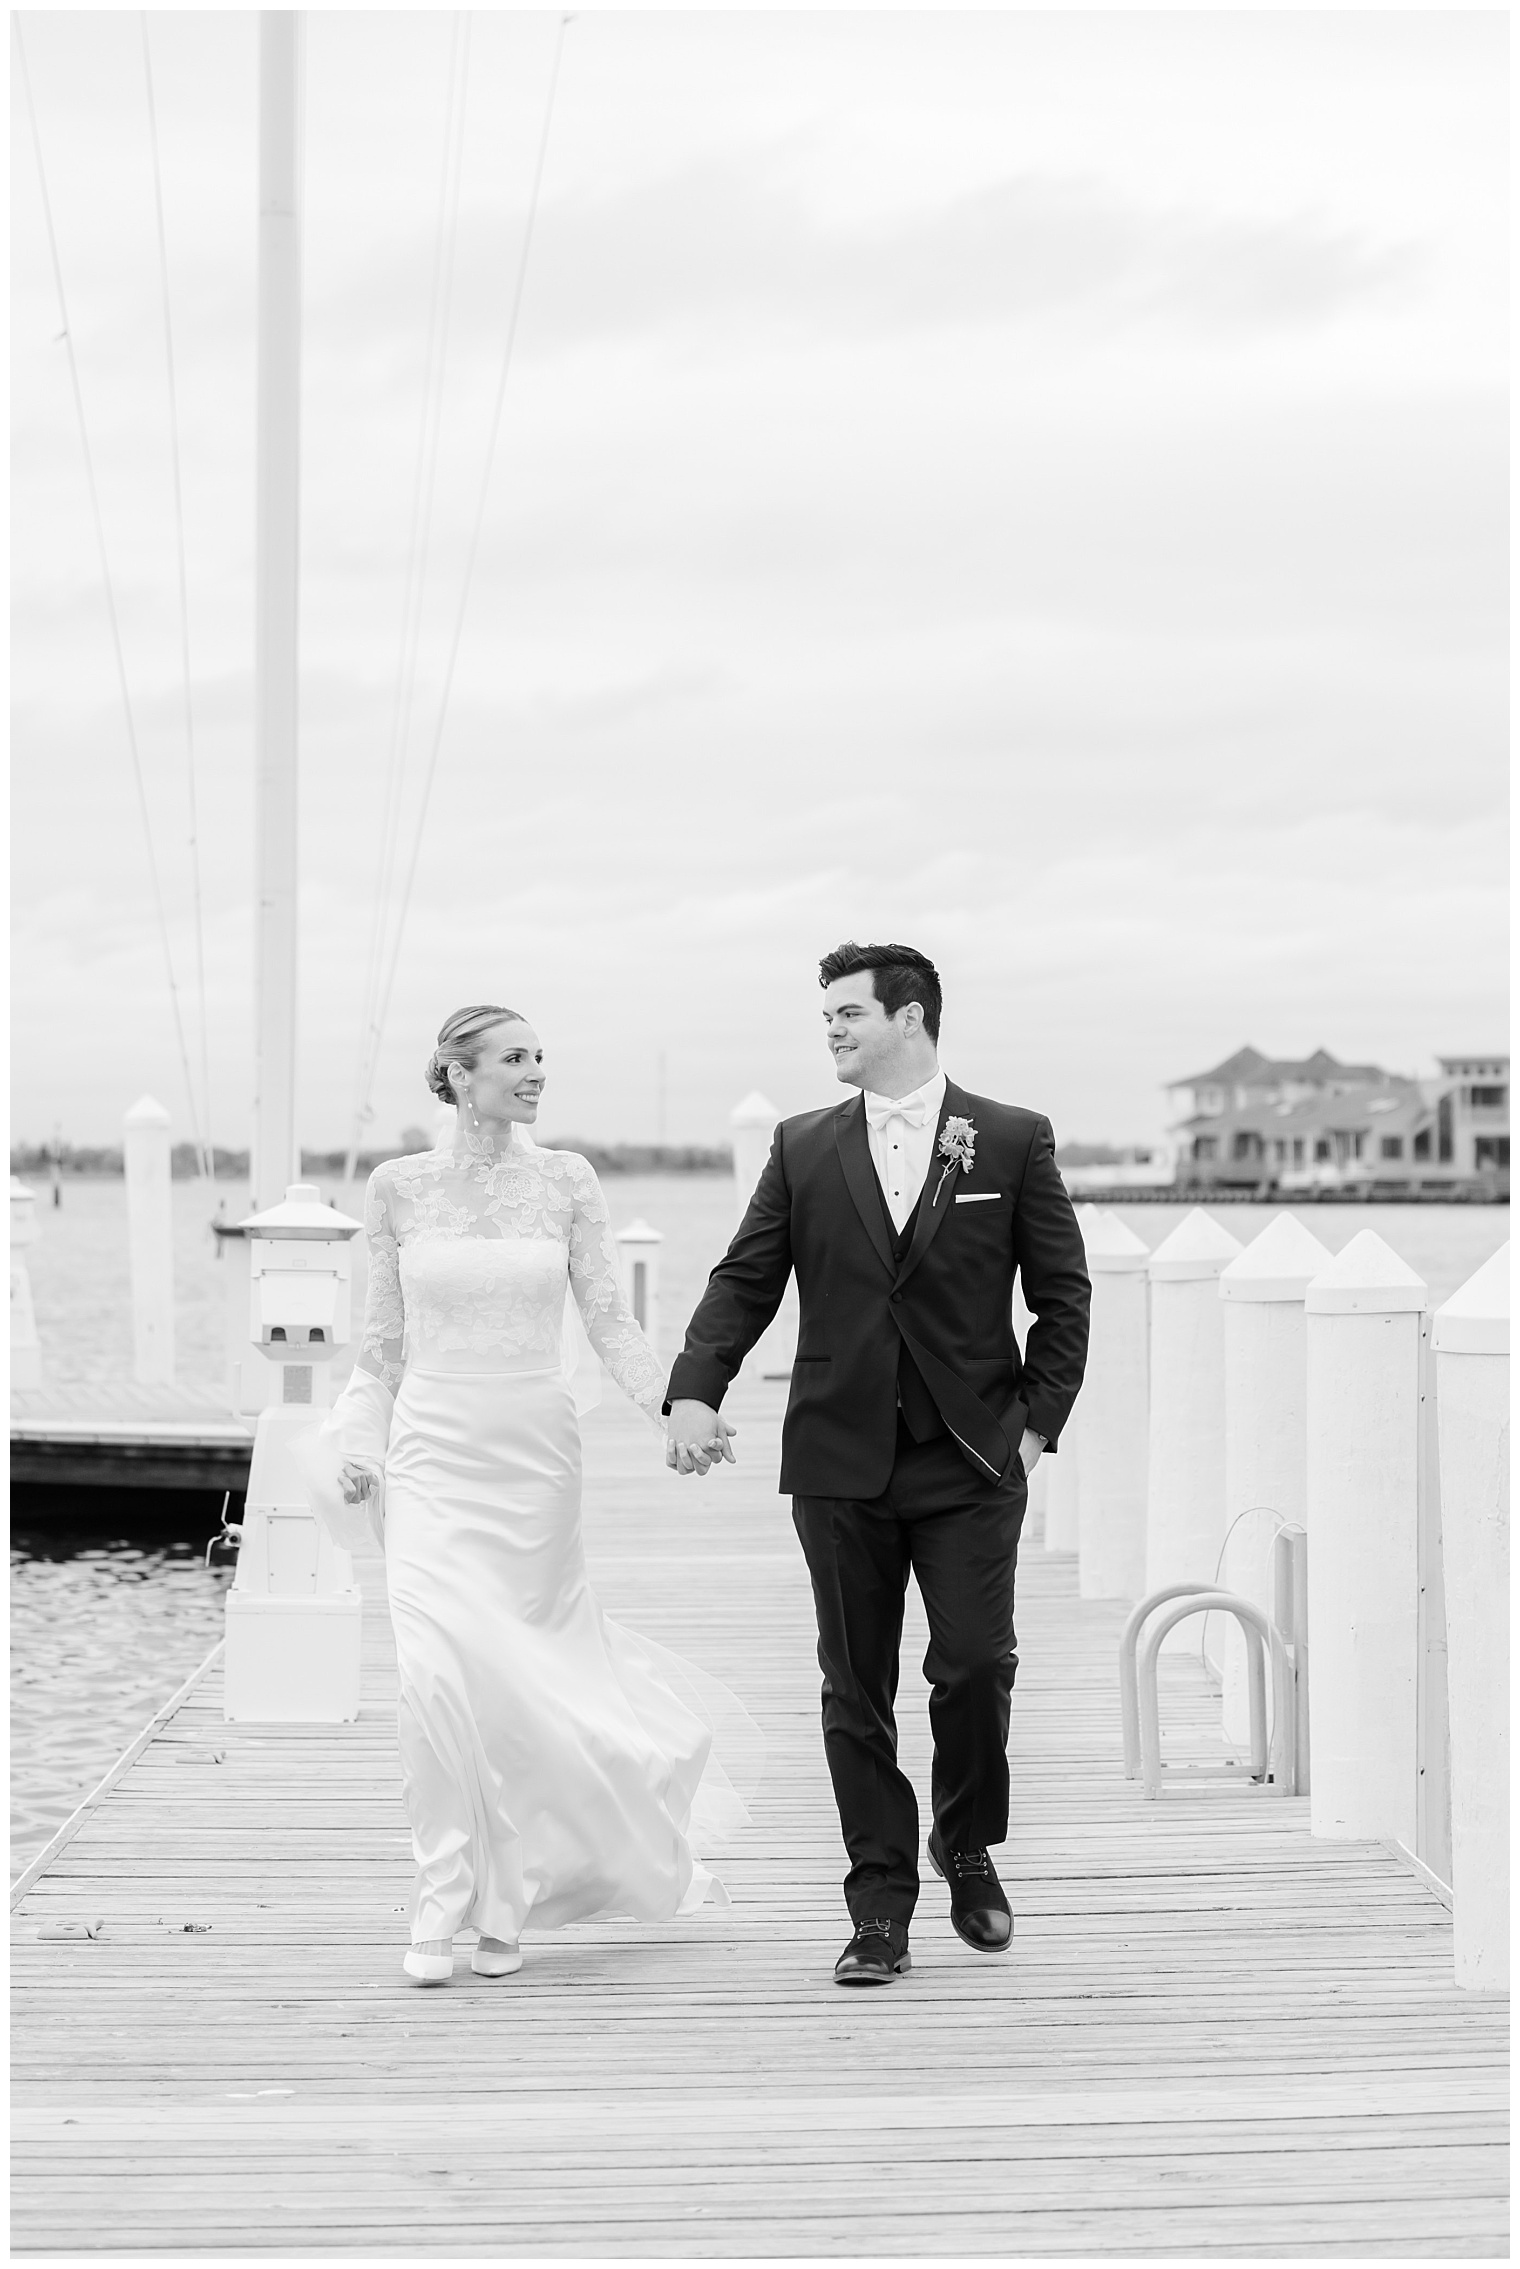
x=598, y=1290
x=380, y=1350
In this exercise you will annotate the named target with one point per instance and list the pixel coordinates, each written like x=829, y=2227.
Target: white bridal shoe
x=496, y=1957
x=428, y=1969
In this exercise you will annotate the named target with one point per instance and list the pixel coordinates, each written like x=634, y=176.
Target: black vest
x=920, y=1413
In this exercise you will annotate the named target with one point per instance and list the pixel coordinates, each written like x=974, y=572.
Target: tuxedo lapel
x=932, y=1209
x=860, y=1177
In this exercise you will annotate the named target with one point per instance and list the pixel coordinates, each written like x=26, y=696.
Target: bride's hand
x=697, y=1438
x=357, y=1480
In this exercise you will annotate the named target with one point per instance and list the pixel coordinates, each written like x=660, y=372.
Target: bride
x=556, y=1766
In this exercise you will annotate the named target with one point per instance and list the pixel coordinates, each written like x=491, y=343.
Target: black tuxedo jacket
x=939, y=1312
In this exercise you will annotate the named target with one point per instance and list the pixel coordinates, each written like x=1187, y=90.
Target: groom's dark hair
x=898, y=974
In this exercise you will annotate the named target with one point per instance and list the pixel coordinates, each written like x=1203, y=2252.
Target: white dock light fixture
x=299, y=1277
x=293, y=1610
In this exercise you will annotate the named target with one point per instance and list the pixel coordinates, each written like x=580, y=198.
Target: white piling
x=1184, y=1509
x=753, y=1123
x=1471, y=1341
x=639, y=1253
x=150, y=1240
x=1062, y=1481
x=1362, y=1344
x=1265, y=1385
x=26, y=1353
x=1112, y=1467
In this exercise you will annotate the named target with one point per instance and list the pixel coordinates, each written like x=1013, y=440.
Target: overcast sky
x=1032, y=485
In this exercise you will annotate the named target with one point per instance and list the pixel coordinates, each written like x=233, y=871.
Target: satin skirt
x=556, y=1765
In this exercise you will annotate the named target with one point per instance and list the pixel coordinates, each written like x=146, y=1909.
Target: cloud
x=1042, y=495
x=733, y=245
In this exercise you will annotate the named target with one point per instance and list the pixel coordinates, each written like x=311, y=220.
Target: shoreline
x=1173, y=1193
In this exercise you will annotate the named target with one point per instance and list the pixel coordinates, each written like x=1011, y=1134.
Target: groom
x=911, y=1424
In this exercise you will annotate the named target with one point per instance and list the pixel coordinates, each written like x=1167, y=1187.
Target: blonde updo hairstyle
x=459, y=1042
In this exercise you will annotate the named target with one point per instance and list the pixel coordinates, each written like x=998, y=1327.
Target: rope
x=475, y=534
x=207, y=1161
x=110, y=588
x=1243, y=1515
x=424, y=484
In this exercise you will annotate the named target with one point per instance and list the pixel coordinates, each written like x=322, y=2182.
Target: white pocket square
x=977, y=1197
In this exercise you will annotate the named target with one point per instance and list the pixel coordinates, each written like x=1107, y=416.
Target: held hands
x=697, y=1438
x=358, y=1481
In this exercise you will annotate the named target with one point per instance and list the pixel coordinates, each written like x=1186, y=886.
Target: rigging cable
x=208, y=1164
x=424, y=484
x=67, y=338
x=474, y=545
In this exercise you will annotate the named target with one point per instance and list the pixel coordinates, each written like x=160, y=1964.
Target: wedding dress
x=556, y=1765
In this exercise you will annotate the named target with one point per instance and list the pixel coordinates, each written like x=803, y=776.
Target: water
x=102, y=1632
x=101, y=1635
x=82, y=1291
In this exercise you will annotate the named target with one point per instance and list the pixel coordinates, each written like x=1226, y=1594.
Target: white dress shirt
x=901, y=1131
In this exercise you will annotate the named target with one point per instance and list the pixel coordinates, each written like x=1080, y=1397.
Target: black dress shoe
x=876, y=1954
x=978, y=1908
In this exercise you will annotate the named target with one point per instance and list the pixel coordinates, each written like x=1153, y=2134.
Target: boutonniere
x=957, y=1146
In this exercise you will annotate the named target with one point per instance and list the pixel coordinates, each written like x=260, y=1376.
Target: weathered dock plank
x=1215, y=2037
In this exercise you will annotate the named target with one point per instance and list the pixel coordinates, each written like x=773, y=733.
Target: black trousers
x=960, y=1538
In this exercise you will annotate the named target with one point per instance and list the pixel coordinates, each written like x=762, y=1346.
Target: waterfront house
x=1313, y=1125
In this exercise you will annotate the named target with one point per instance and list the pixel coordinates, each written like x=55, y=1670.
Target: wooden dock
x=1215, y=2037
x=120, y=1435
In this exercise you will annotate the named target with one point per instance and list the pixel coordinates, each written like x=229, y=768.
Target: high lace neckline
x=473, y=1148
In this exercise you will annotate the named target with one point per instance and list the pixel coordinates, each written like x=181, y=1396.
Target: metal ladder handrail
x=1129, y=1641
x=1275, y=1763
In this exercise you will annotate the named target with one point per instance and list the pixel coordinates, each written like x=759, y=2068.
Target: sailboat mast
x=275, y=1160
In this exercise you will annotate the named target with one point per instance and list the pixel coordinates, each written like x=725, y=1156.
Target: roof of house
x=1391, y=1105
x=1249, y=1067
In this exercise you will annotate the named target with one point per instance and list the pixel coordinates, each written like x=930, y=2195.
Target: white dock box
x=294, y=1615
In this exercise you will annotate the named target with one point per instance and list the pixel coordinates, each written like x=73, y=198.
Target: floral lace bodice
x=469, y=1255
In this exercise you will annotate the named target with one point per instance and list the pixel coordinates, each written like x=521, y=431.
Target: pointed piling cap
x=1475, y=1320
x=301, y=1214
x=1089, y=1219
x=146, y=1112
x=756, y=1110
x=1198, y=1248
x=1112, y=1249
x=640, y=1233
x=23, y=1212
x=1367, y=1278
x=1277, y=1265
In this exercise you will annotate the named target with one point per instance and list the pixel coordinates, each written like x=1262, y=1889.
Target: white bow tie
x=913, y=1110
